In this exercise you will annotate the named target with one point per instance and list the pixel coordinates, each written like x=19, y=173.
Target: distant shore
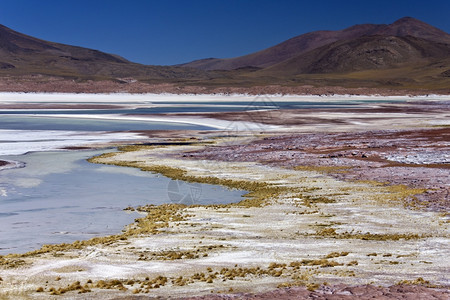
x=39, y=84
x=58, y=100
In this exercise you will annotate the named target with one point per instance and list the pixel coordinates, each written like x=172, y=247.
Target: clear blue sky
x=175, y=31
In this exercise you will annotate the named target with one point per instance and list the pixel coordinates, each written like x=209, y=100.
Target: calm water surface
x=60, y=197
x=162, y=107
x=21, y=122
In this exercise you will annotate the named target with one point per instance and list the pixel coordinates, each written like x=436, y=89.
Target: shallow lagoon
x=165, y=107
x=33, y=122
x=60, y=197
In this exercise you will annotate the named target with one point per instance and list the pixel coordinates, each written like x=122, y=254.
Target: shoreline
x=157, y=97
x=55, y=84
x=213, y=123
x=54, y=140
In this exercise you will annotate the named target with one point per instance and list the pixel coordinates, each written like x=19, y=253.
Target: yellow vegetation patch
x=331, y=233
x=291, y=272
x=336, y=254
x=10, y=261
x=316, y=262
x=180, y=254
x=418, y=281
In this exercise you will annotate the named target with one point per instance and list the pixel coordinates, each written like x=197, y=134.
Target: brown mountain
x=23, y=55
x=409, y=26
x=304, y=43
x=363, y=53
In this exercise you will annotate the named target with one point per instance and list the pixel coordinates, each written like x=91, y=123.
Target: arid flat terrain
x=316, y=86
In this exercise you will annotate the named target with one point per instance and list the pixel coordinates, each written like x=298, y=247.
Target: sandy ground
x=336, y=223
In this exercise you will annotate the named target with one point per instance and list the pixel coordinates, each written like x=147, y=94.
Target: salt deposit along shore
x=333, y=210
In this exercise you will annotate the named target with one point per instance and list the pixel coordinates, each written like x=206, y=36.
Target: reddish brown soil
x=370, y=155
x=341, y=293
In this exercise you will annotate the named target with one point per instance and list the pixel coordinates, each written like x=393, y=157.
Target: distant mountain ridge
x=21, y=54
x=407, y=54
x=304, y=43
x=362, y=53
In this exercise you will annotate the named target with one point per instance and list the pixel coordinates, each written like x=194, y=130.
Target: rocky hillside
x=24, y=55
x=305, y=43
x=363, y=53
